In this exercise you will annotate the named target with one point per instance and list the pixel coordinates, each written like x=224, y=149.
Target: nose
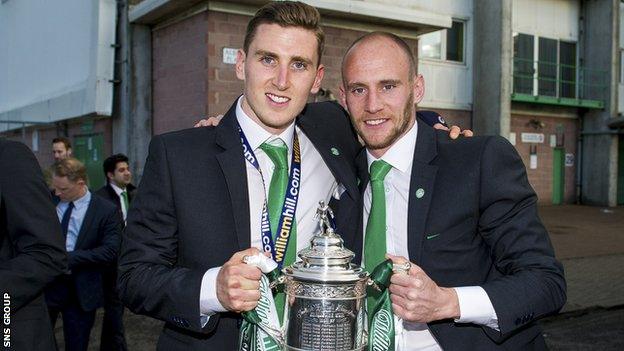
x=281, y=81
x=373, y=105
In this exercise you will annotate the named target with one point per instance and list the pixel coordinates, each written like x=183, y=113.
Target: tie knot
x=378, y=170
x=277, y=154
x=70, y=206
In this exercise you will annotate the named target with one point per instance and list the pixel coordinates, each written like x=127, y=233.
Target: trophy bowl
x=326, y=295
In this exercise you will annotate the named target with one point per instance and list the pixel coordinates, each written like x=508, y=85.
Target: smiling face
x=280, y=70
x=379, y=92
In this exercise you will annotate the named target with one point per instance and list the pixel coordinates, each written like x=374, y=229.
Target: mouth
x=375, y=122
x=278, y=100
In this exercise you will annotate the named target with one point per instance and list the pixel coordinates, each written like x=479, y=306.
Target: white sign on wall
x=533, y=161
x=229, y=56
x=569, y=160
x=532, y=138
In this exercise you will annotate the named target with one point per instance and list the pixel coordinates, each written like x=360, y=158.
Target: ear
x=109, y=175
x=240, y=64
x=318, y=79
x=419, y=88
x=343, y=97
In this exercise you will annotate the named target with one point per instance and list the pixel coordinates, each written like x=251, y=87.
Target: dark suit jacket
x=32, y=250
x=96, y=248
x=107, y=192
x=191, y=213
x=477, y=224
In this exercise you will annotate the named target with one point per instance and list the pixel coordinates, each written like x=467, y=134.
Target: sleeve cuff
x=475, y=307
x=208, y=302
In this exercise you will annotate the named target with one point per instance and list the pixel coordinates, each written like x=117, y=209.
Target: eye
x=300, y=66
x=388, y=87
x=357, y=91
x=267, y=60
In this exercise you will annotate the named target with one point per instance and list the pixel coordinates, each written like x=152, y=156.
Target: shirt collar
x=401, y=154
x=83, y=201
x=117, y=189
x=255, y=134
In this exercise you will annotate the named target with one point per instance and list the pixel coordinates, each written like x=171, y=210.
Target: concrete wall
x=449, y=84
x=599, y=48
x=555, y=19
x=492, y=71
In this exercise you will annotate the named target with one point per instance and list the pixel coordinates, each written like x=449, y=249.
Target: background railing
x=558, y=84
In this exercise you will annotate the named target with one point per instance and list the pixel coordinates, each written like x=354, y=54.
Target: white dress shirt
x=317, y=183
x=75, y=221
x=474, y=303
x=118, y=191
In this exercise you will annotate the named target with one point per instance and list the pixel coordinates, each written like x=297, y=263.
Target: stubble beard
x=397, y=132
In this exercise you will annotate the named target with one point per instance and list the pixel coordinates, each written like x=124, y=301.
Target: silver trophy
x=326, y=295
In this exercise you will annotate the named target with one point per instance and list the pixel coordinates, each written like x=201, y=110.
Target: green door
x=89, y=149
x=620, y=184
x=558, y=175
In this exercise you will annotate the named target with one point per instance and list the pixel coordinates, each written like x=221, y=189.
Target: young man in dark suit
x=120, y=191
x=482, y=266
x=32, y=253
x=91, y=229
x=198, y=208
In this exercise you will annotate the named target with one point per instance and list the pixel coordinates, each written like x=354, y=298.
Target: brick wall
x=542, y=178
x=228, y=30
x=179, y=74
x=74, y=129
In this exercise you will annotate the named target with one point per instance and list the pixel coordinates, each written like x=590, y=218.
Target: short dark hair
x=287, y=14
x=71, y=168
x=111, y=163
x=413, y=69
x=63, y=140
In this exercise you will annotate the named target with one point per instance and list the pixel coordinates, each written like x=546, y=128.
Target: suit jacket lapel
x=233, y=166
x=423, y=177
x=337, y=164
x=87, y=221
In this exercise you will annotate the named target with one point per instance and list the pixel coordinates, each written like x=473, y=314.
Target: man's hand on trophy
x=238, y=283
x=417, y=298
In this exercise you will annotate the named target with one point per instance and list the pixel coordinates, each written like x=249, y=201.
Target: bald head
x=380, y=42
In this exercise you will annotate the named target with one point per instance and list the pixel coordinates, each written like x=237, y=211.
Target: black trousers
x=77, y=324
x=112, y=338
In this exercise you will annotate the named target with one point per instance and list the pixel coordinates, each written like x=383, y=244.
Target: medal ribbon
x=291, y=199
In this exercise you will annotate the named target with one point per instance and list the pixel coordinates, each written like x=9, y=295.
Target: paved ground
x=589, y=241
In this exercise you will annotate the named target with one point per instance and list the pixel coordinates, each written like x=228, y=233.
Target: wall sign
x=569, y=160
x=533, y=138
x=229, y=56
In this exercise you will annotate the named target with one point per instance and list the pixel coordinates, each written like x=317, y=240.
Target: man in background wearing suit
x=91, y=228
x=118, y=190
x=32, y=253
x=482, y=266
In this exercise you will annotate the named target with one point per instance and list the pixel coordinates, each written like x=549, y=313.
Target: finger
x=201, y=123
x=440, y=126
x=248, y=306
x=398, y=290
x=246, y=271
x=238, y=257
x=403, y=280
x=397, y=259
x=468, y=133
x=399, y=311
x=455, y=131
